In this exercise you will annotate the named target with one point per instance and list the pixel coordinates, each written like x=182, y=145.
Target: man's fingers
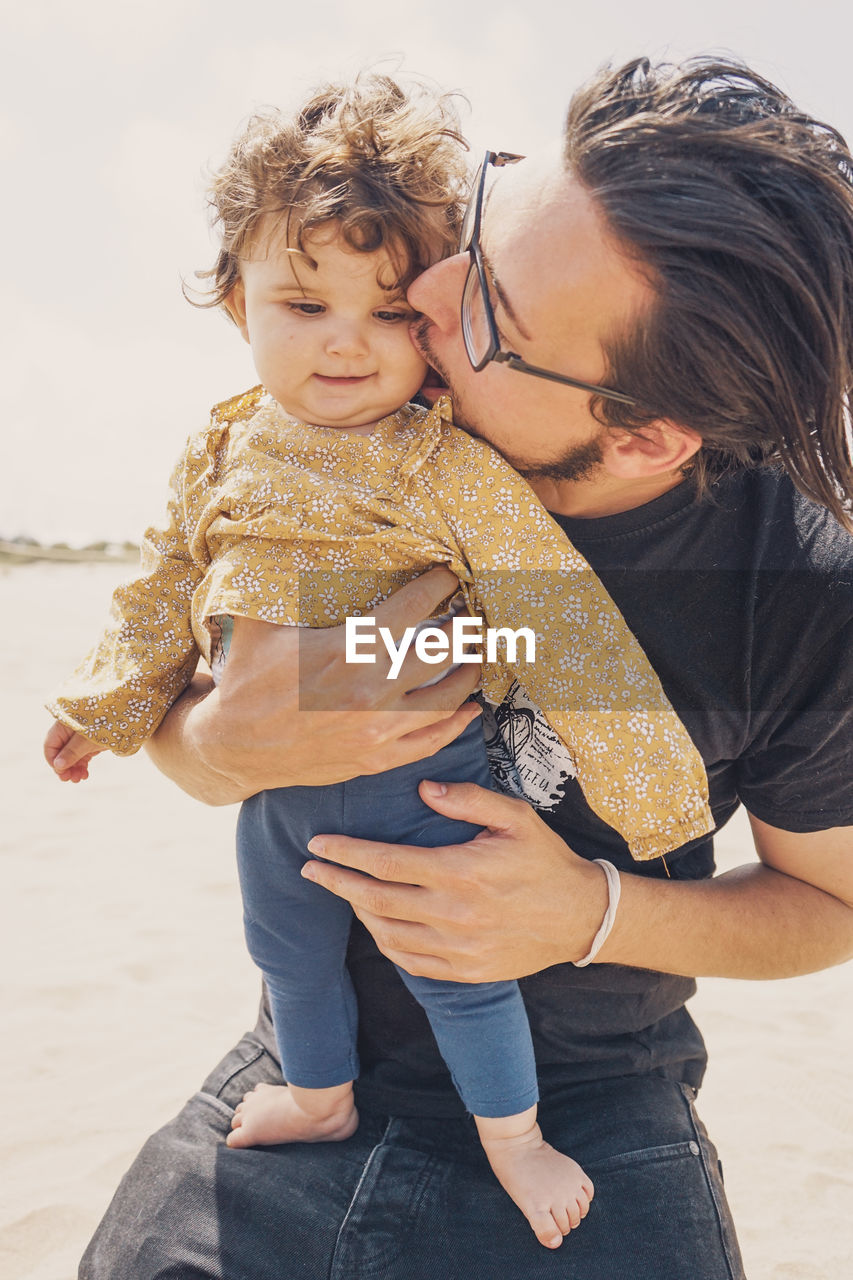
x=426, y=736
x=452, y=689
x=470, y=803
x=388, y=905
x=429, y=738
x=412, y=605
x=395, y=868
x=417, y=600
x=373, y=688
x=411, y=946
x=395, y=938
x=398, y=865
x=418, y=966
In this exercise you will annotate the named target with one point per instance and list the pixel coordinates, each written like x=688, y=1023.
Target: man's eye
x=306, y=308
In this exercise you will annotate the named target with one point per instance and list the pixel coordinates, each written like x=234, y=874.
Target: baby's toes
x=546, y=1230
x=575, y=1213
x=563, y=1218
x=247, y=1096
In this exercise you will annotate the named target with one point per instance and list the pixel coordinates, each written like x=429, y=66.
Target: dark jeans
x=415, y=1199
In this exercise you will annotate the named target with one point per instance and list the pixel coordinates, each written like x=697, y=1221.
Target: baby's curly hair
x=384, y=161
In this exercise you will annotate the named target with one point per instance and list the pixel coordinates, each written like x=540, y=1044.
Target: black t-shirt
x=744, y=606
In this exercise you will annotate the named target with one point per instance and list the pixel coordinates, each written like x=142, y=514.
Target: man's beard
x=577, y=463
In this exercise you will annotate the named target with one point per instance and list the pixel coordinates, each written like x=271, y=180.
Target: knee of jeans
x=162, y=1221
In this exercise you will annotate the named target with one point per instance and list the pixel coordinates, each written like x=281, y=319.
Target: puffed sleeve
x=147, y=654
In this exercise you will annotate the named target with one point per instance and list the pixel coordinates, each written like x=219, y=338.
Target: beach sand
x=125, y=978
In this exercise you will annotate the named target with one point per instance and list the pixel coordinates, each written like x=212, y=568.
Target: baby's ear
x=235, y=305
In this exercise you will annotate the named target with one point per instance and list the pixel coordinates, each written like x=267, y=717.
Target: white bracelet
x=614, y=890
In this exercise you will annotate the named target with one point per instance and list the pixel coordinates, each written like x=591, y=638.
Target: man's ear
x=656, y=449
x=235, y=305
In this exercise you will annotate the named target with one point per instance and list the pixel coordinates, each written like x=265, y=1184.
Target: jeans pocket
x=646, y=1155
x=246, y=1065
x=666, y=1208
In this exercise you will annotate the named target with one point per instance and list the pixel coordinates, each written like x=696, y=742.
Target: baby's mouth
x=345, y=381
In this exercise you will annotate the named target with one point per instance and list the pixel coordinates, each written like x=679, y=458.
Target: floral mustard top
x=299, y=525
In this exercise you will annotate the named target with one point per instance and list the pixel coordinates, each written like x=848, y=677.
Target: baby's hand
x=68, y=753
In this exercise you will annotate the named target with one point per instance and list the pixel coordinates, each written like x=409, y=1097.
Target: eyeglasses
x=479, y=327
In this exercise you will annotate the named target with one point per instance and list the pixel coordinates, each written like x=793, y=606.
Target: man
x=677, y=287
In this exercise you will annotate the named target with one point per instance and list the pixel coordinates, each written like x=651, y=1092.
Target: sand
x=125, y=978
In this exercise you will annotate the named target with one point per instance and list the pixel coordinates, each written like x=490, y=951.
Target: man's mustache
x=419, y=334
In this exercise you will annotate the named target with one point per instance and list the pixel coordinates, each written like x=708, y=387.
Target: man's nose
x=437, y=292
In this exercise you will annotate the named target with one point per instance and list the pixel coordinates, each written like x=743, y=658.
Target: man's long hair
x=739, y=210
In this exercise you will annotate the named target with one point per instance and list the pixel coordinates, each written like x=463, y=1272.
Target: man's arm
x=253, y=732
x=516, y=900
x=791, y=913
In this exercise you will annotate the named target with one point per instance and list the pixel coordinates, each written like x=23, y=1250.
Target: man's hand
x=510, y=902
x=68, y=753
x=255, y=732
x=516, y=900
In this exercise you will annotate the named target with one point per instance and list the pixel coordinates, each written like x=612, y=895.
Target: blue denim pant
x=415, y=1199
x=297, y=934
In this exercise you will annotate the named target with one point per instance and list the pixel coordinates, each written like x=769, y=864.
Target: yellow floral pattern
x=292, y=524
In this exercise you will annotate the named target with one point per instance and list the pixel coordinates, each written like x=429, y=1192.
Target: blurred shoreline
x=25, y=550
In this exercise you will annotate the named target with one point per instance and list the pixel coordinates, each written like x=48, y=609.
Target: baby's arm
x=146, y=654
x=68, y=753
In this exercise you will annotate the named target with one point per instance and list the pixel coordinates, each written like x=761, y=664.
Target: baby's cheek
x=411, y=362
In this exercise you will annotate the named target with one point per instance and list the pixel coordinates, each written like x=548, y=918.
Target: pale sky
x=109, y=114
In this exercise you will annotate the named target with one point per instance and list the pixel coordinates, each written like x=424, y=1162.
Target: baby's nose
x=347, y=338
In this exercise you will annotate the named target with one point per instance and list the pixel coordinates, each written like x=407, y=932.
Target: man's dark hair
x=739, y=208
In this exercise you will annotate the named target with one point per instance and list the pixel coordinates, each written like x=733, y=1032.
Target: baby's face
x=329, y=344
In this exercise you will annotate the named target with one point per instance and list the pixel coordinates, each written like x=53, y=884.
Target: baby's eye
x=394, y=317
x=306, y=308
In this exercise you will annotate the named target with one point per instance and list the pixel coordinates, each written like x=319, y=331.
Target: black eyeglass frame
x=470, y=243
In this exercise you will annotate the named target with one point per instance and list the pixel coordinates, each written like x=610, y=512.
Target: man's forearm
x=253, y=732
x=175, y=749
x=751, y=922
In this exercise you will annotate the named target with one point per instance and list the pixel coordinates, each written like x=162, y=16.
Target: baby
x=308, y=500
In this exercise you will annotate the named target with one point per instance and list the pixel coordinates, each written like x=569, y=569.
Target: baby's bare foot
x=550, y=1189
x=270, y=1114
